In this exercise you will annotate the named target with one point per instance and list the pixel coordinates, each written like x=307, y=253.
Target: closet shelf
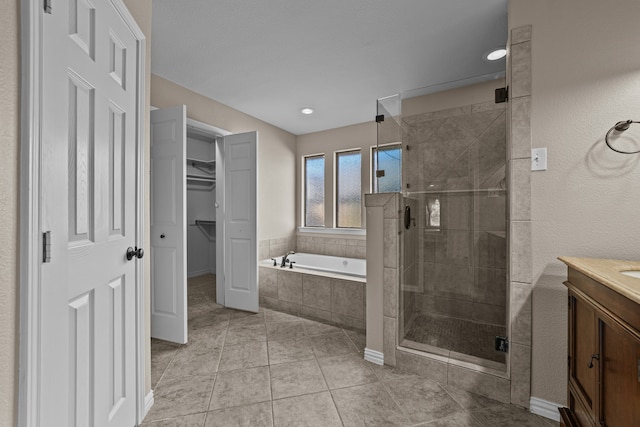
x=199, y=162
x=192, y=177
x=207, y=227
x=201, y=183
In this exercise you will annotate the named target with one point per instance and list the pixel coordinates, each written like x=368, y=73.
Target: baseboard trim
x=544, y=408
x=373, y=356
x=148, y=402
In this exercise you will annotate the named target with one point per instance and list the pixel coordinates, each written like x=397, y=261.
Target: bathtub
x=324, y=263
x=320, y=287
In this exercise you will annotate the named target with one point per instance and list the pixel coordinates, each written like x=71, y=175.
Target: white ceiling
x=270, y=58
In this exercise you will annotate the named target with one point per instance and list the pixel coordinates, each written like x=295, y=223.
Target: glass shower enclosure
x=453, y=280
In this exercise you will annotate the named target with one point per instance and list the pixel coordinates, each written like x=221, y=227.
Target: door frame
x=30, y=251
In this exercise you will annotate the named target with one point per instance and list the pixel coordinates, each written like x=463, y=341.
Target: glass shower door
x=387, y=154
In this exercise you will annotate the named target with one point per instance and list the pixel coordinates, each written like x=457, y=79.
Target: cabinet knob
x=593, y=356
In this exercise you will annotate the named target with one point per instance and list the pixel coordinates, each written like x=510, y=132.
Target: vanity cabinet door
x=619, y=374
x=583, y=366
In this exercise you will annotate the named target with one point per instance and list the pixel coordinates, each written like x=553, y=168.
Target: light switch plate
x=539, y=159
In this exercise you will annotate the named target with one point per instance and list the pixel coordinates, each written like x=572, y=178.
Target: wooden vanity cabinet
x=604, y=356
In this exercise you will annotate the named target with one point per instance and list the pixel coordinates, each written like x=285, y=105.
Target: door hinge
x=46, y=246
x=47, y=6
x=380, y=118
x=502, y=95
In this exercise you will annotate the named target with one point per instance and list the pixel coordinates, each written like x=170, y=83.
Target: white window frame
x=372, y=173
x=304, y=191
x=335, y=187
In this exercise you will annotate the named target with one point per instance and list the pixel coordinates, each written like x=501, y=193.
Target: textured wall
x=9, y=198
x=586, y=77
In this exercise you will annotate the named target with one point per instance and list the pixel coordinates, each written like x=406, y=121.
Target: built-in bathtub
x=318, y=286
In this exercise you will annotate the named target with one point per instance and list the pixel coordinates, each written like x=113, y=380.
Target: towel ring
x=620, y=127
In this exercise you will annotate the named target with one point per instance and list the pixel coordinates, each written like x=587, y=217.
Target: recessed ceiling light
x=496, y=54
x=307, y=110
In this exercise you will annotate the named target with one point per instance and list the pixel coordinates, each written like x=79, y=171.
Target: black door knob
x=134, y=253
x=162, y=236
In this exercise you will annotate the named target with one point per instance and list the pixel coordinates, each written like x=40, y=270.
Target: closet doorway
x=203, y=219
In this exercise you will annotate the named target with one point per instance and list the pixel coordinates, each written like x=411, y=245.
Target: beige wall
x=361, y=136
x=586, y=77
x=467, y=95
x=276, y=153
x=9, y=198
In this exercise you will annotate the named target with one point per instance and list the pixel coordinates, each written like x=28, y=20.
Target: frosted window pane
x=388, y=159
x=314, y=191
x=349, y=192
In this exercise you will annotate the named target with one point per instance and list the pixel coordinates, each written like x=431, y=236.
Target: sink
x=631, y=273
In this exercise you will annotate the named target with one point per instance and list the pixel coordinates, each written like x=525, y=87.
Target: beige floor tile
x=311, y=410
x=181, y=396
x=460, y=419
x=368, y=405
x=195, y=420
x=286, y=330
x=359, y=339
x=247, y=355
x=240, y=334
x=389, y=373
x=346, y=371
x=335, y=344
x=247, y=320
x=296, y=378
x=241, y=387
x=162, y=353
x=422, y=400
x=272, y=316
x=470, y=400
x=317, y=328
x=194, y=361
x=509, y=416
x=255, y=415
x=290, y=351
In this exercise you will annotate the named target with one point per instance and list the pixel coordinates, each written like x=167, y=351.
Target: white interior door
x=240, y=221
x=88, y=203
x=168, y=224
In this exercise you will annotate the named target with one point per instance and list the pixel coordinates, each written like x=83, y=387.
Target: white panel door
x=240, y=221
x=168, y=224
x=88, y=178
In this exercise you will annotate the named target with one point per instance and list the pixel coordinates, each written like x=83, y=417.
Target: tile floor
x=275, y=369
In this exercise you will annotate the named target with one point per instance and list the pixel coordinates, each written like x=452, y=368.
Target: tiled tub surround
x=330, y=297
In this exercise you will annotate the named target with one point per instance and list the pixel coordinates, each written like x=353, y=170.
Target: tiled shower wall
x=458, y=267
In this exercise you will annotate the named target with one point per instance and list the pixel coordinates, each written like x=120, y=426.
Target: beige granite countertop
x=607, y=272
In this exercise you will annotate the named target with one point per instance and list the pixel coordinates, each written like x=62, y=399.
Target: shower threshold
x=456, y=339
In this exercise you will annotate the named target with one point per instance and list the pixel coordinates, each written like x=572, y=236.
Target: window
x=314, y=191
x=389, y=159
x=348, y=189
